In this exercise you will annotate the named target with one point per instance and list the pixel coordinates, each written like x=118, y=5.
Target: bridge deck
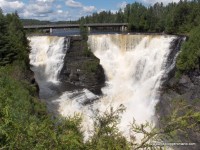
x=75, y=25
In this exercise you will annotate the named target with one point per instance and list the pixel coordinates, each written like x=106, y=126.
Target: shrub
x=91, y=66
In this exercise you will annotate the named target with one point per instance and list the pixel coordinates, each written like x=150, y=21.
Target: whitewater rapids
x=134, y=66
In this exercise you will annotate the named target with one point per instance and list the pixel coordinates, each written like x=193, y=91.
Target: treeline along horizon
x=172, y=18
x=178, y=17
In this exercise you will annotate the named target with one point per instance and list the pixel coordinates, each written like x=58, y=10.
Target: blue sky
x=55, y=10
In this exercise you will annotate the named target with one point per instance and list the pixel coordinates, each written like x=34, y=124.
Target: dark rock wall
x=77, y=72
x=187, y=88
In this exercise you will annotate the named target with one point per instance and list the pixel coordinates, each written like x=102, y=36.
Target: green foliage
x=87, y=52
x=24, y=122
x=43, y=22
x=34, y=22
x=189, y=58
x=13, y=42
x=83, y=32
x=173, y=18
x=106, y=135
x=183, y=117
x=91, y=66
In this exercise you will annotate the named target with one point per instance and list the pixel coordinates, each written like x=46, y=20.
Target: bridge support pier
x=123, y=29
x=89, y=29
x=50, y=30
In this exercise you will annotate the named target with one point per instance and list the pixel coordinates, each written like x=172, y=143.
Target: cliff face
x=81, y=68
x=186, y=88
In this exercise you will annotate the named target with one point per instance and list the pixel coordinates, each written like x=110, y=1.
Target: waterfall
x=134, y=66
x=46, y=58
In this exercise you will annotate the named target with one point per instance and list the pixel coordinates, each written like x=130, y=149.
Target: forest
x=173, y=18
x=25, y=122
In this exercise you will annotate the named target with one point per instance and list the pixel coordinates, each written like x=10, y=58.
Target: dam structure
x=134, y=67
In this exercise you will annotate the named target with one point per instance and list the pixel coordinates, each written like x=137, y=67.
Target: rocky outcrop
x=186, y=88
x=81, y=68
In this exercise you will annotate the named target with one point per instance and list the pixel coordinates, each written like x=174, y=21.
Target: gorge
x=135, y=67
x=91, y=87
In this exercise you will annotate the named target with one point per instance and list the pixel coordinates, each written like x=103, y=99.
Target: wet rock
x=187, y=88
x=186, y=82
x=81, y=71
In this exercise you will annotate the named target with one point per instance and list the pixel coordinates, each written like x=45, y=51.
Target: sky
x=57, y=10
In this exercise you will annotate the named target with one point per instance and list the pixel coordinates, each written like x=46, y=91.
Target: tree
x=173, y=18
x=106, y=133
x=182, y=118
x=13, y=43
x=189, y=58
x=17, y=39
x=83, y=32
x=4, y=51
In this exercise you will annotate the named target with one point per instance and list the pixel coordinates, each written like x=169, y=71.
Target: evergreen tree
x=173, y=18
x=4, y=51
x=189, y=58
x=18, y=41
x=13, y=43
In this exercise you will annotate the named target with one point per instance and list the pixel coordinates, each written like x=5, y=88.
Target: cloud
x=57, y=10
x=114, y=11
x=58, y=6
x=45, y=10
x=38, y=8
x=52, y=10
x=73, y=4
x=11, y=5
x=58, y=15
x=89, y=9
x=122, y=5
x=82, y=8
x=60, y=11
x=48, y=1
x=151, y=2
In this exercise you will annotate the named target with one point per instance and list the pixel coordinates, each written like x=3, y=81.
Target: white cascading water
x=133, y=65
x=47, y=58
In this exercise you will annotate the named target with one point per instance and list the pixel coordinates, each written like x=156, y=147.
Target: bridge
x=121, y=26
